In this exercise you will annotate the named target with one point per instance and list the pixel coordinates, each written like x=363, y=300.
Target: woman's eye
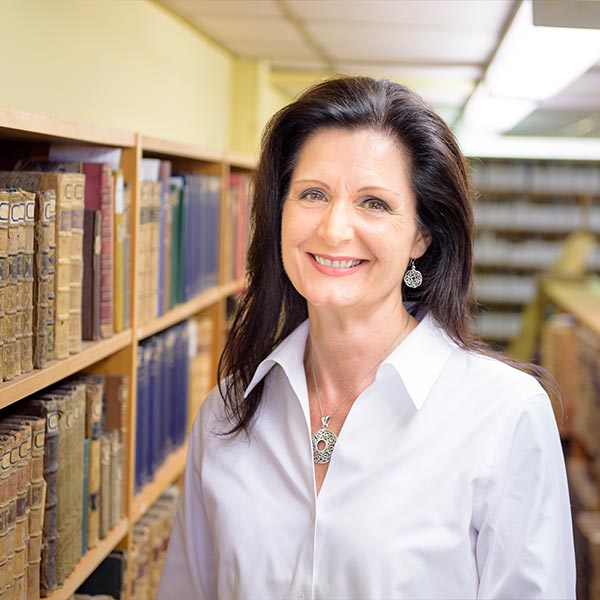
x=313, y=196
x=375, y=205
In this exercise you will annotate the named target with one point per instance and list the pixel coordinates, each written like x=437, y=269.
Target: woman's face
x=349, y=222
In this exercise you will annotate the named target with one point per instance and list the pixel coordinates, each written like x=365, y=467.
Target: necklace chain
x=326, y=418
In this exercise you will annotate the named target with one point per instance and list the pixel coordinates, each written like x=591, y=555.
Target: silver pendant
x=323, y=436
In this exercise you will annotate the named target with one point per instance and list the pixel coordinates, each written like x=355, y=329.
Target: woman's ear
x=421, y=243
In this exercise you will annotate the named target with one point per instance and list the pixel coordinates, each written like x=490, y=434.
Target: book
x=36, y=499
x=109, y=577
x=66, y=186
x=17, y=208
x=99, y=196
x=76, y=289
x=165, y=230
x=22, y=465
x=176, y=200
x=84, y=507
x=94, y=389
x=120, y=237
x=8, y=507
x=48, y=410
x=105, y=487
x=27, y=246
x=44, y=246
x=127, y=275
x=4, y=218
x=90, y=311
x=115, y=478
x=12, y=292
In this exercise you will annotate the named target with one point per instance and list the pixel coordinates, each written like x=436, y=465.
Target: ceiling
x=440, y=48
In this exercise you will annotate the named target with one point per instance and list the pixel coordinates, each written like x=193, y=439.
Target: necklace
x=325, y=435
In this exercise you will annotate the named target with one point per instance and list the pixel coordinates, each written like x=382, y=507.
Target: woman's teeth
x=337, y=264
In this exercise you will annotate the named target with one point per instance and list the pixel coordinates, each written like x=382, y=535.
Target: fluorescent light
x=536, y=62
x=532, y=63
x=485, y=112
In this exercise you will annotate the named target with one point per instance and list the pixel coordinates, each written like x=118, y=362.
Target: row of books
x=162, y=399
x=64, y=260
x=61, y=491
x=536, y=177
x=179, y=236
x=503, y=288
x=535, y=217
x=149, y=544
x=236, y=234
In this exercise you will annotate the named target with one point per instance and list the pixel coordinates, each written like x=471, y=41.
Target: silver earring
x=413, y=278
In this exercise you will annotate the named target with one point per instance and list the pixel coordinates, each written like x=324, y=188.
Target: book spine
x=40, y=277
x=18, y=207
x=106, y=268
x=84, y=506
x=11, y=369
x=62, y=265
x=155, y=248
x=49, y=203
x=115, y=478
x=27, y=289
x=7, y=504
x=105, y=487
x=126, y=281
x=76, y=266
x=4, y=220
x=119, y=240
x=87, y=294
x=94, y=394
x=79, y=400
x=10, y=461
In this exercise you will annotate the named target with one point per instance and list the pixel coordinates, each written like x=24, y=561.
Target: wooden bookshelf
x=24, y=134
x=55, y=370
x=90, y=560
x=185, y=311
x=166, y=474
x=579, y=298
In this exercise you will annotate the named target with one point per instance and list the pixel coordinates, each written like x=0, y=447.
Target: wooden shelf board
x=88, y=563
x=239, y=161
x=169, y=148
x=186, y=310
x=579, y=298
x=167, y=473
x=55, y=370
x=19, y=125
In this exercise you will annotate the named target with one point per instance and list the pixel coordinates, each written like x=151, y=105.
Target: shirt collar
x=418, y=360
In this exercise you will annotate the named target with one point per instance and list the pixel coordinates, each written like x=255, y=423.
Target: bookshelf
x=25, y=135
x=524, y=212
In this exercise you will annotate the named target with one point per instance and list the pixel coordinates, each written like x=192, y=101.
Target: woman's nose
x=336, y=223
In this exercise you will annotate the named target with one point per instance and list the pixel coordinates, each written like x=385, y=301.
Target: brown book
x=12, y=293
x=37, y=498
x=90, y=309
x=22, y=463
x=105, y=487
x=77, y=204
x=48, y=410
x=8, y=507
x=127, y=277
x=4, y=218
x=9, y=442
x=115, y=477
x=27, y=245
x=99, y=196
x=93, y=429
x=48, y=199
x=68, y=186
x=116, y=406
x=75, y=393
x=143, y=277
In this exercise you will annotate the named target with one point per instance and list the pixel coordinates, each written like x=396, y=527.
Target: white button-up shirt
x=447, y=482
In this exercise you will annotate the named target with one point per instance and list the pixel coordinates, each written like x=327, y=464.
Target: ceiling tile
x=488, y=15
x=230, y=29
x=232, y=8
x=295, y=65
x=357, y=42
x=273, y=50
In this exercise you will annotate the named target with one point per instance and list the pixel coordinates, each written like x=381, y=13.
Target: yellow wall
x=129, y=64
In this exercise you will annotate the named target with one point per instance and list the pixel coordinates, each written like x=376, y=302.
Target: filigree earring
x=413, y=278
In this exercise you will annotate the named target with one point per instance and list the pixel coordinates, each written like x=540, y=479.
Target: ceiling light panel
x=356, y=42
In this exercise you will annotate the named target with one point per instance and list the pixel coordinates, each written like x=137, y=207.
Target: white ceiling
x=440, y=48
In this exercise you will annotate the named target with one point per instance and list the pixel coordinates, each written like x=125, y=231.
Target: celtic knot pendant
x=323, y=443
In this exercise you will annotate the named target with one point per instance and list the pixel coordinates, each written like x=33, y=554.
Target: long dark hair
x=271, y=309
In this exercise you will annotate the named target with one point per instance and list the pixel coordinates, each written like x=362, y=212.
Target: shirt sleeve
x=189, y=569
x=524, y=546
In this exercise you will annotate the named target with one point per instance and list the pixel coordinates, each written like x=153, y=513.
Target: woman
x=362, y=444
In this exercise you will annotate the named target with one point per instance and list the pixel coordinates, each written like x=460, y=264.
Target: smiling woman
x=361, y=442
